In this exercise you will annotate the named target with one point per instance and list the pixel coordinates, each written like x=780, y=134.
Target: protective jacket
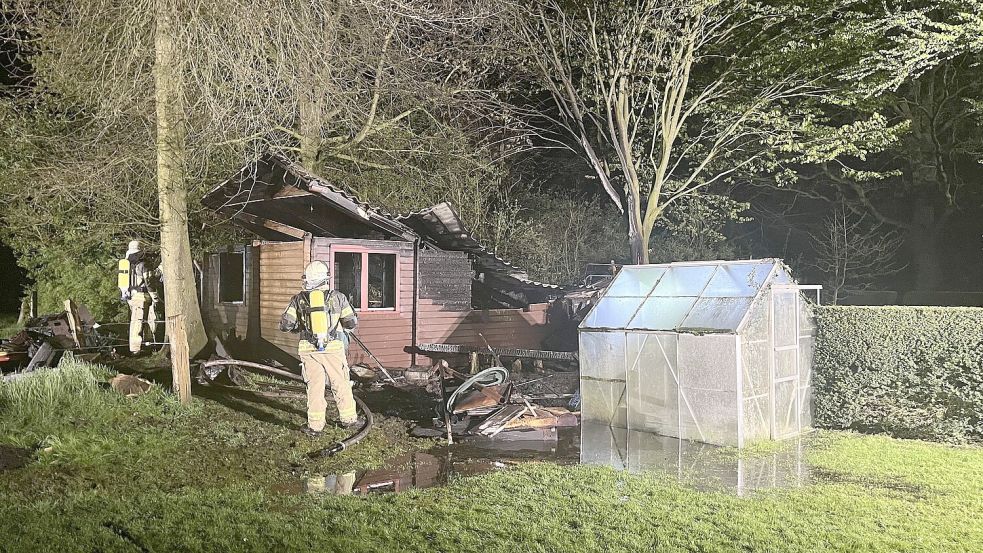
x=321, y=316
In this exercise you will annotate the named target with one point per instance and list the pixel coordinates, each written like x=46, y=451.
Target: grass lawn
x=144, y=474
x=8, y=324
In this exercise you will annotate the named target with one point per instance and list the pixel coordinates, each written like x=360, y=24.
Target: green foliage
x=914, y=372
x=695, y=229
x=554, y=237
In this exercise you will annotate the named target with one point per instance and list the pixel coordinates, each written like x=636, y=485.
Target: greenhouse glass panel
x=708, y=416
x=806, y=346
x=634, y=282
x=738, y=280
x=661, y=313
x=786, y=317
x=604, y=402
x=602, y=445
x=805, y=408
x=754, y=366
x=603, y=355
x=708, y=362
x=756, y=419
x=684, y=280
x=786, y=363
x=653, y=392
x=786, y=408
x=718, y=314
x=612, y=313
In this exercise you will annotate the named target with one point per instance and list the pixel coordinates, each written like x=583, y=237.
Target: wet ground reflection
x=700, y=465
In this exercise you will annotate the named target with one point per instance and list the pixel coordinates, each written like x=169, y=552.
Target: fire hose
x=328, y=451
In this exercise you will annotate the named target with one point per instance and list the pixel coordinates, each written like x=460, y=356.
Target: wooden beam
x=272, y=225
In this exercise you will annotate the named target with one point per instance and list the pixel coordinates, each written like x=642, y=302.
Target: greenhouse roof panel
x=684, y=281
x=738, y=281
x=684, y=297
x=635, y=282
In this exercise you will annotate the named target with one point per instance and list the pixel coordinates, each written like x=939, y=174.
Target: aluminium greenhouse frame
x=717, y=352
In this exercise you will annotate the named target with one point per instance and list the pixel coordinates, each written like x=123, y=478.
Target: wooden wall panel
x=386, y=333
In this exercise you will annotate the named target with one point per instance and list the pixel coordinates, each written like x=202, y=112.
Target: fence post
x=177, y=336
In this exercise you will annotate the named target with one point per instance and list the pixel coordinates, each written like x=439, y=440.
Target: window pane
x=348, y=276
x=230, y=274
x=382, y=280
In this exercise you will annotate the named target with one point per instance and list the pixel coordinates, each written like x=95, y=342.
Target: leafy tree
x=907, y=154
x=667, y=99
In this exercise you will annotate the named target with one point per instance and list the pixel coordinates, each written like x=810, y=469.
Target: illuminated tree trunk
x=181, y=297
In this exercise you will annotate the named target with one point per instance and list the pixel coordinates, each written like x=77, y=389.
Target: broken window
x=368, y=279
x=348, y=276
x=382, y=280
x=231, y=277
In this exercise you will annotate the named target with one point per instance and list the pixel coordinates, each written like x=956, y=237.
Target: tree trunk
x=25, y=309
x=180, y=293
x=637, y=239
x=310, y=135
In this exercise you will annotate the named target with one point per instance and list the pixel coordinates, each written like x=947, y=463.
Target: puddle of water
x=703, y=466
x=12, y=457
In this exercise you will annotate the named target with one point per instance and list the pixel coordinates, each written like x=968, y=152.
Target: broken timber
x=505, y=352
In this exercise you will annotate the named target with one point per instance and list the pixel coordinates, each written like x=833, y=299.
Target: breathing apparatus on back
x=316, y=283
x=129, y=272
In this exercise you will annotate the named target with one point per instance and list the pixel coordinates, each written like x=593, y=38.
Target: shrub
x=912, y=372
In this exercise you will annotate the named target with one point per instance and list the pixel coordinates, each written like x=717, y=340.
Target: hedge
x=911, y=372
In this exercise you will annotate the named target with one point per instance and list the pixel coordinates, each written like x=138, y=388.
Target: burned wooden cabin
x=420, y=278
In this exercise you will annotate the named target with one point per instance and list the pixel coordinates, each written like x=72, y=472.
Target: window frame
x=364, y=282
x=218, y=271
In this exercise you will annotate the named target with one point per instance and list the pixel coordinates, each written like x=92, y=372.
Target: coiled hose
x=328, y=451
x=493, y=376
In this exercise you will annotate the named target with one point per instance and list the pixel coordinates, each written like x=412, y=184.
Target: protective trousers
x=138, y=310
x=331, y=367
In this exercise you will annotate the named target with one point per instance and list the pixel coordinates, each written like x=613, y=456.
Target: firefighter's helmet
x=316, y=275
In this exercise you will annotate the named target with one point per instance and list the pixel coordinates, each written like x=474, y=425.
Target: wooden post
x=475, y=365
x=177, y=336
x=74, y=324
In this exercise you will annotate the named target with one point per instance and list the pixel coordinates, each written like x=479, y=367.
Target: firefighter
x=321, y=316
x=135, y=282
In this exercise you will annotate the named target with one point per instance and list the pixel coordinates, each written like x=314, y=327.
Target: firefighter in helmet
x=321, y=316
x=137, y=286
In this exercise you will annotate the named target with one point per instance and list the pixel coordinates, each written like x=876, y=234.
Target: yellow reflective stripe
x=347, y=312
x=291, y=311
x=315, y=416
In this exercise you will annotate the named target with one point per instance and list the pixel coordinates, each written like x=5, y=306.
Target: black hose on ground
x=328, y=451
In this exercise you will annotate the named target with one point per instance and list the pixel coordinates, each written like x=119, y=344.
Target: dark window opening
x=348, y=276
x=382, y=281
x=231, y=277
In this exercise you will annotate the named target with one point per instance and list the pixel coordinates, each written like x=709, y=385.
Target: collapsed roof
x=280, y=200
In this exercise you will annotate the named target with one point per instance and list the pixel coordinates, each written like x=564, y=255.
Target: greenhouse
x=718, y=352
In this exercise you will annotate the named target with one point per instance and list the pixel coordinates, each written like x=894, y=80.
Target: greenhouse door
x=785, y=361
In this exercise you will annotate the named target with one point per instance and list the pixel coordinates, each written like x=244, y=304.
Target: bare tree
x=133, y=93
x=853, y=252
x=657, y=95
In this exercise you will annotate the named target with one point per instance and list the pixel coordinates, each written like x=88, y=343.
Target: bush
x=912, y=372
